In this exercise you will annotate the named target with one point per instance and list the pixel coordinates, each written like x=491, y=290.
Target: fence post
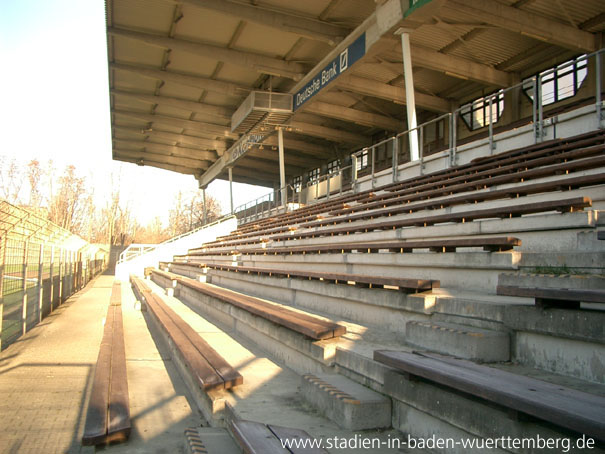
x=52, y=281
x=454, y=137
x=421, y=149
x=328, y=186
x=2, y=268
x=40, y=286
x=354, y=171
x=61, y=276
x=24, y=288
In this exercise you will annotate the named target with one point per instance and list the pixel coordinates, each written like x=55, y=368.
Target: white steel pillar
x=205, y=212
x=282, y=168
x=410, y=99
x=231, y=187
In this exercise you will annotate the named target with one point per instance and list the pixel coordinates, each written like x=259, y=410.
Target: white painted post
x=40, y=286
x=282, y=167
x=60, y=276
x=24, y=288
x=230, y=169
x=410, y=99
x=2, y=268
x=52, y=282
x=205, y=213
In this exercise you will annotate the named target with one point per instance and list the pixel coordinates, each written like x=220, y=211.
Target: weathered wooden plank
x=287, y=433
x=119, y=425
x=256, y=438
x=561, y=406
x=554, y=296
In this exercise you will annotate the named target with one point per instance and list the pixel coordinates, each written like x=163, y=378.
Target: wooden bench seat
x=554, y=297
x=108, y=415
x=404, y=204
x=508, y=162
x=491, y=244
x=309, y=325
x=561, y=406
x=259, y=438
x=403, y=284
x=209, y=369
x=565, y=205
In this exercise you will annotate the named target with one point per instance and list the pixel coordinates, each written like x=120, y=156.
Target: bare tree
x=34, y=176
x=11, y=179
x=68, y=207
x=188, y=212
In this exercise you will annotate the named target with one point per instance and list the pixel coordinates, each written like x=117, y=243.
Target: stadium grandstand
x=427, y=270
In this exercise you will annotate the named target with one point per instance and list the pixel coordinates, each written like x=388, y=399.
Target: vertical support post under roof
x=282, y=169
x=205, y=211
x=410, y=99
x=230, y=170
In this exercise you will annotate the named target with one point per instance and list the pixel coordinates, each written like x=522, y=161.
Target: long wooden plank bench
x=259, y=438
x=564, y=407
x=404, y=204
x=491, y=244
x=554, y=297
x=565, y=205
x=309, y=325
x=108, y=415
x=210, y=369
x=403, y=284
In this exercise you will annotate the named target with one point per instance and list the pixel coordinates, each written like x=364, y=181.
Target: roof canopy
x=180, y=69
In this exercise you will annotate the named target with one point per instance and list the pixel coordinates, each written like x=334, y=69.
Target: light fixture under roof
x=261, y=108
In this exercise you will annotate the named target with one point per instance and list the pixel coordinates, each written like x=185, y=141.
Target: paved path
x=45, y=381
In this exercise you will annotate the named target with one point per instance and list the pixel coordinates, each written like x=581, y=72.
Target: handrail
x=534, y=82
x=124, y=257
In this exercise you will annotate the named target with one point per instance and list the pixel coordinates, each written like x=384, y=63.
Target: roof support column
x=282, y=168
x=230, y=169
x=205, y=211
x=410, y=100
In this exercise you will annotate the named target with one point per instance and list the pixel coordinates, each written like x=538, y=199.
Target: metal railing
x=261, y=206
x=537, y=120
x=138, y=249
x=41, y=265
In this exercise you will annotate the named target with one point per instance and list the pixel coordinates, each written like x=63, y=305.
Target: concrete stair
x=461, y=341
x=210, y=440
x=348, y=404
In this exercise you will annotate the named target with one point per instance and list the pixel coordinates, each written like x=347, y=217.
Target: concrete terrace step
x=345, y=402
x=461, y=341
x=210, y=440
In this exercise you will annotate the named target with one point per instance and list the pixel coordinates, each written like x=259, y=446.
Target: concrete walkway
x=46, y=377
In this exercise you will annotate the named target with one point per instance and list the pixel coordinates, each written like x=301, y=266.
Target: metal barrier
x=41, y=265
x=538, y=121
x=365, y=160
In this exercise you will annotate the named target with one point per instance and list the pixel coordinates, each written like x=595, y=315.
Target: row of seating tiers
x=334, y=287
x=482, y=169
x=471, y=185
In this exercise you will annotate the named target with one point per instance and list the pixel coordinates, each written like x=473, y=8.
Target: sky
x=55, y=104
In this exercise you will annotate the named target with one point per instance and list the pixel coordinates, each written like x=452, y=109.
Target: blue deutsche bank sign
x=336, y=67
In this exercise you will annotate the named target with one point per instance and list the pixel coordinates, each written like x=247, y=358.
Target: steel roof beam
x=180, y=139
x=170, y=150
x=375, y=89
x=355, y=116
x=193, y=164
x=525, y=23
x=207, y=128
x=203, y=83
x=191, y=106
x=258, y=62
x=299, y=25
x=334, y=135
x=159, y=165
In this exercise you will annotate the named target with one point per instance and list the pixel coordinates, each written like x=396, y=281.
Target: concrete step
x=210, y=440
x=462, y=341
x=564, y=279
x=349, y=404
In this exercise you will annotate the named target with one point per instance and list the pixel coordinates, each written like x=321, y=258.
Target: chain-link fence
x=41, y=265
